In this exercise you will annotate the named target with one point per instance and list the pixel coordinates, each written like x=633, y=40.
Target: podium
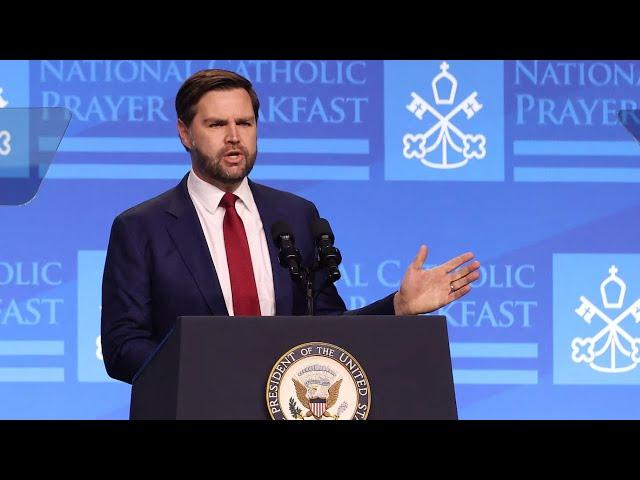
x=218, y=367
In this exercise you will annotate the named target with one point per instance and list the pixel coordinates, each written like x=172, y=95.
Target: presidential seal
x=318, y=381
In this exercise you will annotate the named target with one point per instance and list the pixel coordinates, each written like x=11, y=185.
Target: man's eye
x=215, y=124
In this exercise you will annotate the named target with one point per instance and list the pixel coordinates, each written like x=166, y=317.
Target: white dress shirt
x=206, y=199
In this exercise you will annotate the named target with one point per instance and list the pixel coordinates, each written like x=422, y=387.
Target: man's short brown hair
x=204, y=81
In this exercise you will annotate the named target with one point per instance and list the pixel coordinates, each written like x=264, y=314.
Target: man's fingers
x=464, y=271
x=460, y=282
x=420, y=258
x=457, y=261
x=456, y=294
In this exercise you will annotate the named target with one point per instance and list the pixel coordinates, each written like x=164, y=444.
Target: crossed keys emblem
x=469, y=145
x=617, y=340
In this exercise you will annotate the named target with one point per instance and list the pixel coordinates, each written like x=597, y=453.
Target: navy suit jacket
x=158, y=268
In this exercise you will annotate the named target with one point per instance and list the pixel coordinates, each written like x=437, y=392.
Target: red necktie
x=243, y=283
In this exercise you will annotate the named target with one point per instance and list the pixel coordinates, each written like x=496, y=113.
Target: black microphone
x=289, y=255
x=328, y=256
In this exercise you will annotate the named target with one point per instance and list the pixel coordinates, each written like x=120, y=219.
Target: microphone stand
x=303, y=277
x=306, y=278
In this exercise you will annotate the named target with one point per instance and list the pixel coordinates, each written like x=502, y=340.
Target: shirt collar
x=210, y=195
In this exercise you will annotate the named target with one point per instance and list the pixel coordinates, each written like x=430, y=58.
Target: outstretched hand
x=423, y=291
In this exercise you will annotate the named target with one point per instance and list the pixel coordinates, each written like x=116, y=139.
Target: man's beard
x=212, y=166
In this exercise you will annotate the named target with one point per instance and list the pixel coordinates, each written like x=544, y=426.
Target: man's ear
x=185, y=136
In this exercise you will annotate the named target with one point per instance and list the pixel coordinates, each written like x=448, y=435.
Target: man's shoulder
x=153, y=207
x=280, y=196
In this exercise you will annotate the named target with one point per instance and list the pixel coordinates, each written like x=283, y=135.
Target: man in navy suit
x=203, y=248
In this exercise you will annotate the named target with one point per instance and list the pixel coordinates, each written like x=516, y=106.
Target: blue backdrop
x=522, y=162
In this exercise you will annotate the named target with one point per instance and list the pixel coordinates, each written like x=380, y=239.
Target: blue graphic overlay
x=90, y=361
x=14, y=143
x=24, y=160
x=567, y=118
x=305, y=106
x=444, y=121
x=531, y=164
x=596, y=311
x=14, y=84
x=630, y=119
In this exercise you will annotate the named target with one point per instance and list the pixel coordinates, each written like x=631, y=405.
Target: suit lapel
x=186, y=232
x=270, y=212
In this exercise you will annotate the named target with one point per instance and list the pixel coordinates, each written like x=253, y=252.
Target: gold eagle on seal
x=313, y=400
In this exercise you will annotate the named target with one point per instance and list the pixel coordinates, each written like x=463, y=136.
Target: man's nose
x=232, y=133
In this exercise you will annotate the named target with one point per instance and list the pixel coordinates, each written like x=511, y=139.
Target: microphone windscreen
x=321, y=227
x=279, y=228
